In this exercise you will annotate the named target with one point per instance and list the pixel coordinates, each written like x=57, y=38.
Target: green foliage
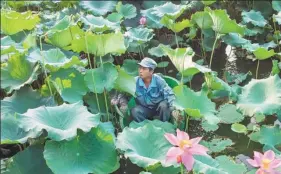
x=217, y=145
x=254, y=17
x=228, y=114
x=98, y=8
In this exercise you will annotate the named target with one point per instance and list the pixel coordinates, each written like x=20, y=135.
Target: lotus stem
x=176, y=40
x=190, y=84
x=257, y=70
x=141, y=51
x=182, y=172
x=89, y=60
x=104, y=93
x=213, y=51
x=186, y=123
x=48, y=82
x=274, y=32
x=248, y=143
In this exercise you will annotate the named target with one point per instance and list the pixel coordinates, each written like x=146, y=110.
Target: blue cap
x=148, y=63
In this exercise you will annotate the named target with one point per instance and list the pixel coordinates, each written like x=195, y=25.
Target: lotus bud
x=143, y=20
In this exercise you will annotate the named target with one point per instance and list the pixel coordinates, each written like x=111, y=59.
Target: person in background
x=154, y=97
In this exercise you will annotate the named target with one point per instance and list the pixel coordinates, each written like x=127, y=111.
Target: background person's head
x=146, y=68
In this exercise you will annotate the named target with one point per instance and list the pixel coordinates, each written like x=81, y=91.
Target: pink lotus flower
x=184, y=149
x=143, y=20
x=266, y=163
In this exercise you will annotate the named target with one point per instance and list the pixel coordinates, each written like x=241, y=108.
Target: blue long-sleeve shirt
x=157, y=91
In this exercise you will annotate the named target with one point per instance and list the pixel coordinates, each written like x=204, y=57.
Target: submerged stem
x=257, y=70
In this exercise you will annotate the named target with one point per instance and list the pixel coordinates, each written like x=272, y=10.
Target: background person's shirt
x=157, y=91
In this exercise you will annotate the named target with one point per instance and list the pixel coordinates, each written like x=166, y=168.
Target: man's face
x=144, y=72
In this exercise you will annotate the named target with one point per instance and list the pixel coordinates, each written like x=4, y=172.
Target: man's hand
x=114, y=101
x=177, y=115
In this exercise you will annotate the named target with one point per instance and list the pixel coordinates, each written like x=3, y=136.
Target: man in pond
x=153, y=95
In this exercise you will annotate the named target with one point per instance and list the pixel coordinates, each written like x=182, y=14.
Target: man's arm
x=167, y=92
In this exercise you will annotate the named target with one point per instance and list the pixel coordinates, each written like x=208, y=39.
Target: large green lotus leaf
x=9, y=47
x=53, y=58
x=99, y=45
x=145, y=146
x=99, y=8
x=189, y=100
x=114, y=17
x=262, y=96
x=61, y=122
x=235, y=40
x=175, y=26
x=131, y=66
x=129, y=11
x=141, y=35
x=228, y=165
x=157, y=51
x=228, y=114
x=23, y=99
x=222, y=24
x=92, y=152
x=152, y=19
x=63, y=33
x=207, y=2
x=261, y=50
x=29, y=161
x=217, y=144
x=99, y=24
x=277, y=18
x=17, y=72
x=182, y=59
x=92, y=103
x=13, y=22
x=202, y=19
x=70, y=84
x=262, y=53
x=267, y=135
x=172, y=82
x=102, y=78
x=150, y=4
x=254, y=17
x=166, y=126
x=125, y=82
x=276, y=5
x=11, y=133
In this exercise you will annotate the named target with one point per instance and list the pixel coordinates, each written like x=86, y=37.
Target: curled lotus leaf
x=125, y=82
x=145, y=146
x=263, y=96
x=175, y=26
x=202, y=19
x=61, y=122
x=129, y=11
x=98, y=8
x=140, y=35
x=13, y=22
x=17, y=72
x=254, y=17
x=91, y=152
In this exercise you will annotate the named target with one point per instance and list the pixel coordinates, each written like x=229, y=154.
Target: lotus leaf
x=254, y=17
x=144, y=146
x=222, y=24
x=92, y=152
x=263, y=53
x=217, y=144
x=61, y=122
x=131, y=67
x=128, y=10
x=277, y=18
x=229, y=165
x=29, y=161
x=23, y=99
x=13, y=22
x=141, y=35
x=163, y=64
x=102, y=78
x=276, y=5
x=172, y=82
x=182, y=59
x=202, y=19
x=17, y=72
x=264, y=7
x=125, y=82
x=261, y=96
x=228, y=114
x=267, y=135
x=189, y=100
x=175, y=26
x=150, y=4
x=239, y=128
x=63, y=33
x=275, y=67
x=70, y=84
x=207, y=165
x=157, y=51
x=166, y=126
x=114, y=17
x=99, y=24
x=99, y=8
x=235, y=40
x=9, y=47
x=99, y=45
